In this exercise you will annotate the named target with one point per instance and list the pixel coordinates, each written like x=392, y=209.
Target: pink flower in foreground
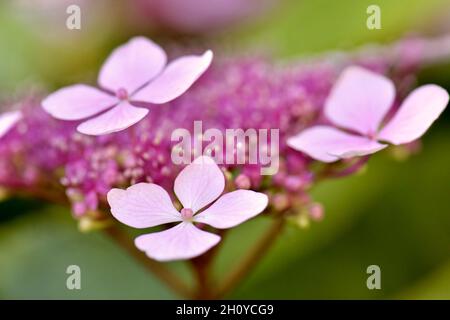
x=358, y=103
x=8, y=120
x=146, y=205
x=135, y=72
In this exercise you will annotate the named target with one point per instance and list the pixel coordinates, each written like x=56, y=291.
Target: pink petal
x=328, y=144
x=184, y=241
x=8, y=120
x=199, y=184
x=142, y=205
x=417, y=113
x=175, y=79
x=132, y=65
x=233, y=208
x=360, y=100
x=120, y=117
x=77, y=102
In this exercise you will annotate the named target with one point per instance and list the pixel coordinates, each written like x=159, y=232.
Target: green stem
x=122, y=239
x=202, y=270
x=251, y=258
x=157, y=268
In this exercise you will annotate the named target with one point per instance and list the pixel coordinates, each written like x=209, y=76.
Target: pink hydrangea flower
x=358, y=103
x=135, y=72
x=146, y=205
x=8, y=120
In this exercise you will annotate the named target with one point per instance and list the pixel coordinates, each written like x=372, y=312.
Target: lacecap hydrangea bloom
x=127, y=172
x=45, y=157
x=236, y=93
x=146, y=205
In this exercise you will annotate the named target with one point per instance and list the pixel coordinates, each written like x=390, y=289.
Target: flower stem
x=353, y=168
x=252, y=257
x=121, y=238
x=201, y=265
x=157, y=268
x=202, y=270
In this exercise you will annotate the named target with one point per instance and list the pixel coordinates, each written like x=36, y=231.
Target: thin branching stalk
x=251, y=258
x=202, y=267
x=205, y=288
x=158, y=269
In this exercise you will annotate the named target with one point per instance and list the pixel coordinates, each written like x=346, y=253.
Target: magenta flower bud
x=316, y=211
x=279, y=178
x=293, y=183
x=280, y=201
x=91, y=201
x=30, y=175
x=242, y=182
x=78, y=209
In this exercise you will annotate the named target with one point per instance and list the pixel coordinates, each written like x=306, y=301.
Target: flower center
x=122, y=94
x=372, y=135
x=187, y=214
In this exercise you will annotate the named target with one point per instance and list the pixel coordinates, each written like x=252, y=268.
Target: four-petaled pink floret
x=146, y=205
x=135, y=72
x=358, y=103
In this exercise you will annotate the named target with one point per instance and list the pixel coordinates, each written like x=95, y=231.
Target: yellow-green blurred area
x=395, y=215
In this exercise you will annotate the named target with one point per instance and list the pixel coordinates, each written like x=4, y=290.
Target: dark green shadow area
x=16, y=207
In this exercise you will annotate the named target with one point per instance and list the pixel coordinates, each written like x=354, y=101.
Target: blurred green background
x=395, y=215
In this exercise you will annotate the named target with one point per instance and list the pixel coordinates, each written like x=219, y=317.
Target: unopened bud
x=293, y=183
x=242, y=182
x=316, y=211
x=280, y=202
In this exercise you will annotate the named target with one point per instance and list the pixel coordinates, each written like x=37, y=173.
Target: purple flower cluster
x=49, y=156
